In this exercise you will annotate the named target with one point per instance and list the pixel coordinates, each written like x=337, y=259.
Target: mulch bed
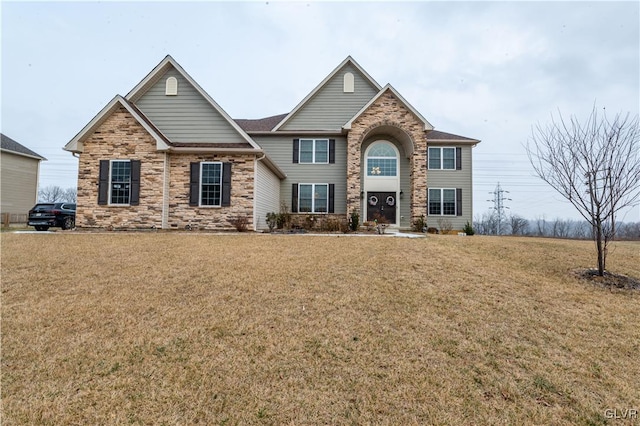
x=609, y=280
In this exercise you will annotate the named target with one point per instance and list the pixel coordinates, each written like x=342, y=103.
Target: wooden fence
x=14, y=219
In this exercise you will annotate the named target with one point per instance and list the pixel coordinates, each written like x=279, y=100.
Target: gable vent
x=171, y=88
x=348, y=82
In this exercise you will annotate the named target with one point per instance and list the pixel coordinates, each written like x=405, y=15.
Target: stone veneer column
x=388, y=110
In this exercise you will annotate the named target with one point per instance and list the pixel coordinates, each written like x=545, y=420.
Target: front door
x=382, y=204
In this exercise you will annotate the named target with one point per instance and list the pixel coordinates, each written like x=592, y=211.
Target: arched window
x=171, y=86
x=348, y=83
x=382, y=160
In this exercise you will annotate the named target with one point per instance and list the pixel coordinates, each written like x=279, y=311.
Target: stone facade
x=182, y=215
x=388, y=110
x=120, y=137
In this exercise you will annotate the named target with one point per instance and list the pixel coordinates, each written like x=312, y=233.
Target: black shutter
x=458, y=158
x=103, y=183
x=332, y=151
x=332, y=190
x=296, y=149
x=458, y=202
x=194, y=184
x=134, y=198
x=226, y=184
x=294, y=198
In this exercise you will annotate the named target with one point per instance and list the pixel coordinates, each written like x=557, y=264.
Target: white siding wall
x=19, y=183
x=267, y=195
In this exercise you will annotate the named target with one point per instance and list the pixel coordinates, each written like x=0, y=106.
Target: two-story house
x=167, y=156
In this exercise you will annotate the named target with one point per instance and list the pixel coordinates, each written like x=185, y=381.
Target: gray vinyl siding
x=267, y=194
x=454, y=179
x=331, y=108
x=188, y=116
x=19, y=183
x=280, y=150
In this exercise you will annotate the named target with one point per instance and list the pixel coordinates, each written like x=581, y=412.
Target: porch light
x=401, y=194
x=362, y=195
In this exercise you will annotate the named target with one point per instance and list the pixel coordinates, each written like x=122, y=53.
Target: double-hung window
x=313, y=197
x=314, y=151
x=211, y=184
x=120, y=182
x=443, y=202
x=443, y=158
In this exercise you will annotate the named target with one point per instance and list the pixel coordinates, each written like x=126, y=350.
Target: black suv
x=45, y=215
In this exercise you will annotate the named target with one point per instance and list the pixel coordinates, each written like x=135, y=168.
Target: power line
x=498, y=203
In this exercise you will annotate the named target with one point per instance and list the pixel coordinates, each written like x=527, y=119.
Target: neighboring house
x=167, y=156
x=20, y=169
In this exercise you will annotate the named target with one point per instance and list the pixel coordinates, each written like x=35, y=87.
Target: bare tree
x=595, y=165
x=519, y=225
x=53, y=194
x=487, y=224
x=70, y=195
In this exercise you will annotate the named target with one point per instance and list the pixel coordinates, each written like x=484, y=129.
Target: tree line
x=487, y=224
x=57, y=194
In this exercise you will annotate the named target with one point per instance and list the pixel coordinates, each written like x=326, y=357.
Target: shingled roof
x=436, y=135
x=9, y=144
x=260, y=124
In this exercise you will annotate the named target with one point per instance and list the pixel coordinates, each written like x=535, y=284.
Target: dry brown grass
x=259, y=329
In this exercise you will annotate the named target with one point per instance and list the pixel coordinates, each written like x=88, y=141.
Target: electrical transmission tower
x=498, y=203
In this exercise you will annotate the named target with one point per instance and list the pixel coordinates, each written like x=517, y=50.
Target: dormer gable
x=334, y=101
x=182, y=110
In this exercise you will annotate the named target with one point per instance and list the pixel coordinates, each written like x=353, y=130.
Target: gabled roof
x=9, y=145
x=427, y=125
x=75, y=145
x=348, y=60
x=159, y=71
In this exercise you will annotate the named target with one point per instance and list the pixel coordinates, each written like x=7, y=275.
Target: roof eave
x=454, y=141
x=273, y=167
x=22, y=154
x=324, y=132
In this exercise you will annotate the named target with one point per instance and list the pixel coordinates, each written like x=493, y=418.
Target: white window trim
x=313, y=199
x=200, y=185
x=441, y=148
x=111, y=182
x=455, y=202
x=313, y=157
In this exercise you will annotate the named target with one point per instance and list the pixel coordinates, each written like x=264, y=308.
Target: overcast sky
x=486, y=70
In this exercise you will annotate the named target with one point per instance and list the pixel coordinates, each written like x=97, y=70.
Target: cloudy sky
x=486, y=70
